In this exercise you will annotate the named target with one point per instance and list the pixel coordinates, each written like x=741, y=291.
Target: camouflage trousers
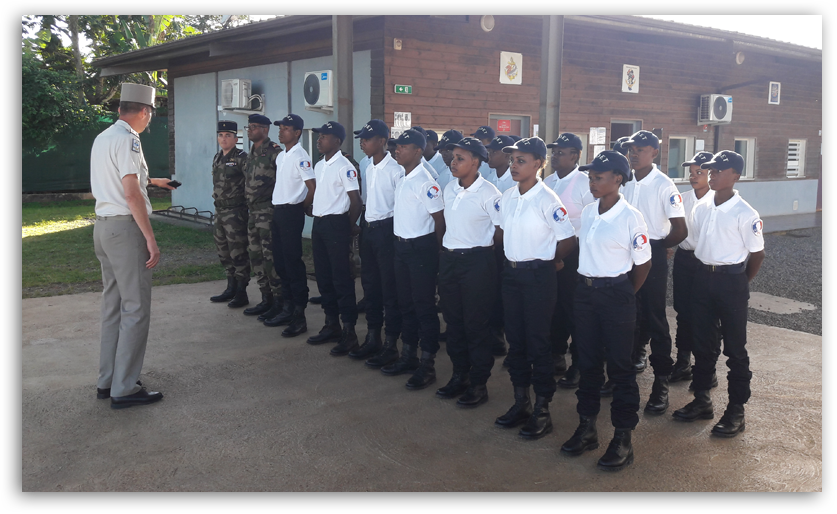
x=231, y=241
x=261, y=251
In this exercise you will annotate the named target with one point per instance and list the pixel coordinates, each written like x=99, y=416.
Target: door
x=510, y=124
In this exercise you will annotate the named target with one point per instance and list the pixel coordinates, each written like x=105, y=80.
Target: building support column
x=552, y=51
x=342, y=43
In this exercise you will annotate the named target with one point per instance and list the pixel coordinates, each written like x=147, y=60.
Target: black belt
x=415, y=239
x=377, y=223
x=731, y=269
x=603, y=281
x=288, y=205
x=686, y=252
x=537, y=263
x=463, y=251
x=231, y=203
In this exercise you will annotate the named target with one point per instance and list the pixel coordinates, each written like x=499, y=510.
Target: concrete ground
x=246, y=410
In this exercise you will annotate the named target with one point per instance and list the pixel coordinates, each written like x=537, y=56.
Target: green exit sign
x=404, y=90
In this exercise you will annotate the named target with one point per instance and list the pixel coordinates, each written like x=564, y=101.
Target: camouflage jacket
x=260, y=174
x=228, y=178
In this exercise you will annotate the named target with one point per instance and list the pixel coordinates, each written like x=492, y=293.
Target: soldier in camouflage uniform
x=231, y=215
x=260, y=178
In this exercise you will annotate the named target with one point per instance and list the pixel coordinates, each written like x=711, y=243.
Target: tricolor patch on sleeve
x=135, y=146
x=639, y=242
x=675, y=199
x=306, y=165
x=351, y=173
x=560, y=214
x=758, y=226
x=433, y=192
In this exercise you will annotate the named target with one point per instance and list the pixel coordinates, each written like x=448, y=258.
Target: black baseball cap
x=500, y=142
x=412, y=137
x=371, y=129
x=484, y=132
x=334, y=128
x=699, y=158
x=291, y=120
x=726, y=159
x=643, y=138
x=451, y=136
x=258, y=119
x=471, y=144
x=618, y=145
x=532, y=145
x=610, y=160
x=516, y=138
x=227, y=126
x=431, y=135
x=567, y=140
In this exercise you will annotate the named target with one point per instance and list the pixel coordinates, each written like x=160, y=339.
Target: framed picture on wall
x=774, y=93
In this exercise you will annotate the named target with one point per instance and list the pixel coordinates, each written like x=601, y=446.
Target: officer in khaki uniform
x=259, y=180
x=231, y=215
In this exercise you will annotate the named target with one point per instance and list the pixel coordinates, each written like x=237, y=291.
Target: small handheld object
x=175, y=184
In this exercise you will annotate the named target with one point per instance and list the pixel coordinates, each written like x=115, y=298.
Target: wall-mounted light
x=739, y=57
x=487, y=23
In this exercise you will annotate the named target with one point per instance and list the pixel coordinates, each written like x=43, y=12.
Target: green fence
x=66, y=165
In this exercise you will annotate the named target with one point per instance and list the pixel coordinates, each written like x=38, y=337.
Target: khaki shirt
x=116, y=153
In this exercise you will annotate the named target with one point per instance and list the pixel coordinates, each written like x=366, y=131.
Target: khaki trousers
x=126, y=302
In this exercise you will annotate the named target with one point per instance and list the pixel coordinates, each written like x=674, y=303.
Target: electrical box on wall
x=318, y=90
x=715, y=110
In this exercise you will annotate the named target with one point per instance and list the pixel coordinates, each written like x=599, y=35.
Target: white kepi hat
x=138, y=93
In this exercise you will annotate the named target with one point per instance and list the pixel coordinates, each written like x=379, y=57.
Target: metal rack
x=188, y=213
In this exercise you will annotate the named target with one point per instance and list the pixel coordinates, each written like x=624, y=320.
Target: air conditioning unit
x=317, y=89
x=235, y=94
x=715, y=110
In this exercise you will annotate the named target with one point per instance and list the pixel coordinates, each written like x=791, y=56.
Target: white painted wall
x=776, y=197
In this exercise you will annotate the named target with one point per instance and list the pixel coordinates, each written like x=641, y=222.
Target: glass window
x=796, y=158
x=746, y=147
x=680, y=150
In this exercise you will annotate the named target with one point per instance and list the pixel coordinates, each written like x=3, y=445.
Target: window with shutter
x=796, y=158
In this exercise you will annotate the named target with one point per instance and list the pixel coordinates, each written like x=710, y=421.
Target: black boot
x=273, y=311
x=682, y=367
x=699, y=408
x=371, y=345
x=585, y=437
x=407, y=363
x=540, y=422
x=425, y=374
x=570, y=379
x=228, y=293
x=298, y=325
x=619, y=452
x=498, y=342
x=640, y=360
x=712, y=386
x=731, y=423
x=458, y=384
x=607, y=389
x=388, y=353
x=284, y=317
x=330, y=332
x=261, y=307
x=560, y=363
x=240, y=299
x=474, y=395
x=519, y=412
x=658, y=401
x=348, y=341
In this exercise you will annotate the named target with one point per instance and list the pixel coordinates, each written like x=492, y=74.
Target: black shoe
x=240, y=299
x=731, y=423
x=475, y=395
x=371, y=345
x=284, y=317
x=498, y=342
x=658, y=401
x=348, y=341
x=619, y=452
x=699, y=408
x=330, y=332
x=361, y=305
x=540, y=422
x=640, y=360
x=519, y=412
x=459, y=382
x=443, y=336
x=104, y=394
x=228, y=293
x=276, y=307
x=425, y=374
x=506, y=362
x=141, y=397
x=712, y=386
x=387, y=355
x=316, y=300
x=560, y=363
x=570, y=379
x=406, y=363
x=682, y=367
x=298, y=325
x=261, y=307
x=607, y=389
x=584, y=439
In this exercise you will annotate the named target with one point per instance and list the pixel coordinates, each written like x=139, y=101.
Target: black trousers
x=330, y=239
x=416, y=267
x=286, y=231
x=604, y=332
x=529, y=300
x=651, y=322
x=377, y=275
x=721, y=297
x=468, y=288
x=683, y=276
x=562, y=317
x=496, y=320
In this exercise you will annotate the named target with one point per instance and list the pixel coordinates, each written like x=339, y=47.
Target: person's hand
x=670, y=252
x=154, y=252
x=161, y=182
x=559, y=265
x=355, y=230
x=309, y=210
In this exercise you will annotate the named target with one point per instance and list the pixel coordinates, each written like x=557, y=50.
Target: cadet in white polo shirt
x=431, y=155
x=614, y=259
x=336, y=209
x=427, y=166
x=418, y=225
x=445, y=175
x=654, y=195
x=730, y=247
x=498, y=161
x=468, y=273
x=537, y=235
x=485, y=134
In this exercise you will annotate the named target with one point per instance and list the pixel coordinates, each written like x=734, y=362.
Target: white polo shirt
x=470, y=215
x=381, y=180
x=335, y=178
x=610, y=244
x=417, y=196
x=430, y=169
x=505, y=182
x=293, y=168
x=445, y=177
x=658, y=199
x=437, y=162
x=116, y=153
x=727, y=233
x=689, y=201
x=550, y=180
x=532, y=223
x=362, y=165
x=574, y=192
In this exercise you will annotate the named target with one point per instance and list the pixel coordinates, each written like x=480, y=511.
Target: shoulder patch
x=351, y=173
x=758, y=225
x=305, y=165
x=675, y=199
x=135, y=146
x=560, y=214
x=497, y=204
x=639, y=241
x=433, y=192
